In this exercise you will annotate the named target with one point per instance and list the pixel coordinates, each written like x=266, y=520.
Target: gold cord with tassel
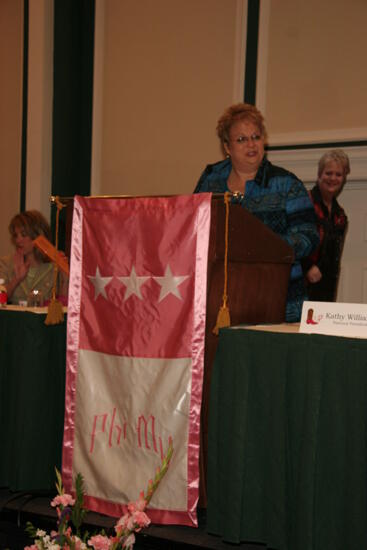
x=55, y=313
x=223, y=318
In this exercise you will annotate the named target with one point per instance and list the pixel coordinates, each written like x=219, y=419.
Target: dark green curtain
x=253, y=13
x=73, y=99
x=32, y=394
x=287, y=447
x=23, y=168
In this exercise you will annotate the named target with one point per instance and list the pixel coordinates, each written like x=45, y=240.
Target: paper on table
x=43, y=309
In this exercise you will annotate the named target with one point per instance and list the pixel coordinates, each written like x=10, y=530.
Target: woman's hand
x=314, y=275
x=21, y=267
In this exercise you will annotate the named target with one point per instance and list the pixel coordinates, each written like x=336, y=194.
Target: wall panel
x=11, y=60
x=168, y=73
x=313, y=76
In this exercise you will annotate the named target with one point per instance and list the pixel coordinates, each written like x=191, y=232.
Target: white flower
x=40, y=533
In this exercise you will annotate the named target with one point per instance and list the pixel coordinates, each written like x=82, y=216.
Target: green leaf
x=59, y=486
x=30, y=530
x=79, y=512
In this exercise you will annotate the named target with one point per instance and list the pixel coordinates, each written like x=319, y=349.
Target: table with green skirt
x=32, y=390
x=287, y=456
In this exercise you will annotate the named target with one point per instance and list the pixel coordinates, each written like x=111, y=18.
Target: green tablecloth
x=32, y=389
x=287, y=461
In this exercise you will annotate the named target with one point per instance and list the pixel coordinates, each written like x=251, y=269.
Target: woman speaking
x=274, y=195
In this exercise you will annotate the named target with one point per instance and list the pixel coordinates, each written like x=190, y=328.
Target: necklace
x=34, y=276
x=237, y=182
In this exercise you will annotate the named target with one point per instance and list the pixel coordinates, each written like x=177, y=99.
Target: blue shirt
x=280, y=200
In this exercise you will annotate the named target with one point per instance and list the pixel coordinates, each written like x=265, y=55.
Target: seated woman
x=28, y=269
x=323, y=266
x=277, y=197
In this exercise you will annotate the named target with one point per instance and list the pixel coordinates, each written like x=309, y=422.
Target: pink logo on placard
x=310, y=319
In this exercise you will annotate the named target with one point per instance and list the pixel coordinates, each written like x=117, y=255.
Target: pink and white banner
x=135, y=351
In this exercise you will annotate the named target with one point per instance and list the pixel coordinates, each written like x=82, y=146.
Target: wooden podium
x=259, y=264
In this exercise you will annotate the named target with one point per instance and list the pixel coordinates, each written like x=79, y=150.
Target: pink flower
x=33, y=547
x=130, y=526
x=129, y=542
x=99, y=542
x=139, y=505
x=122, y=523
x=118, y=529
x=78, y=544
x=64, y=500
x=141, y=519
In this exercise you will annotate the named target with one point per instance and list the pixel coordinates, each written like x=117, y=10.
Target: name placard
x=337, y=319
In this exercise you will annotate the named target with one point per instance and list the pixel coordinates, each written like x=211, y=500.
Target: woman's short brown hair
x=234, y=113
x=33, y=223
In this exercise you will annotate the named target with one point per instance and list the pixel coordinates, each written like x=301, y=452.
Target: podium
x=259, y=264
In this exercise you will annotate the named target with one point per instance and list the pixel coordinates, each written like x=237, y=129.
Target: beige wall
x=168, y=73
x=11, y=55
x=40, y=89
x=167, y=69
x=315, y=79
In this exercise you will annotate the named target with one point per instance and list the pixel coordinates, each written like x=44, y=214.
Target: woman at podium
x=274, y=195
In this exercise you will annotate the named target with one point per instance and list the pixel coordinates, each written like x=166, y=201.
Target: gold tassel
x=55, y=312
x=223, y=317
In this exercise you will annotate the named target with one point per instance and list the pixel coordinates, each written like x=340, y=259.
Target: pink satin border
x=160, y=517
x=198, y=346
x=201, y=205
x=72, y=346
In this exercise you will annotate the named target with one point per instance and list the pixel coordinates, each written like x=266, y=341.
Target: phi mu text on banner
x=135, y=350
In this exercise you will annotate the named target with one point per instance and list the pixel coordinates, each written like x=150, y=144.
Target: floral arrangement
x=72, y=510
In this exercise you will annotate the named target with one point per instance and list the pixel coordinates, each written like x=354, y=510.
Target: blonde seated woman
x=322, y=268
x=28, y=269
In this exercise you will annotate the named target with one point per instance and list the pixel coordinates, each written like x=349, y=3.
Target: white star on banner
x=169, y=284
x=133, y=284
x=99, y=283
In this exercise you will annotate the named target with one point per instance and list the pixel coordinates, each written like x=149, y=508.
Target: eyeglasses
x=241, y=140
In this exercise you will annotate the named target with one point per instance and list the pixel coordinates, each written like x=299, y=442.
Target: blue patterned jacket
x=280, y=200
